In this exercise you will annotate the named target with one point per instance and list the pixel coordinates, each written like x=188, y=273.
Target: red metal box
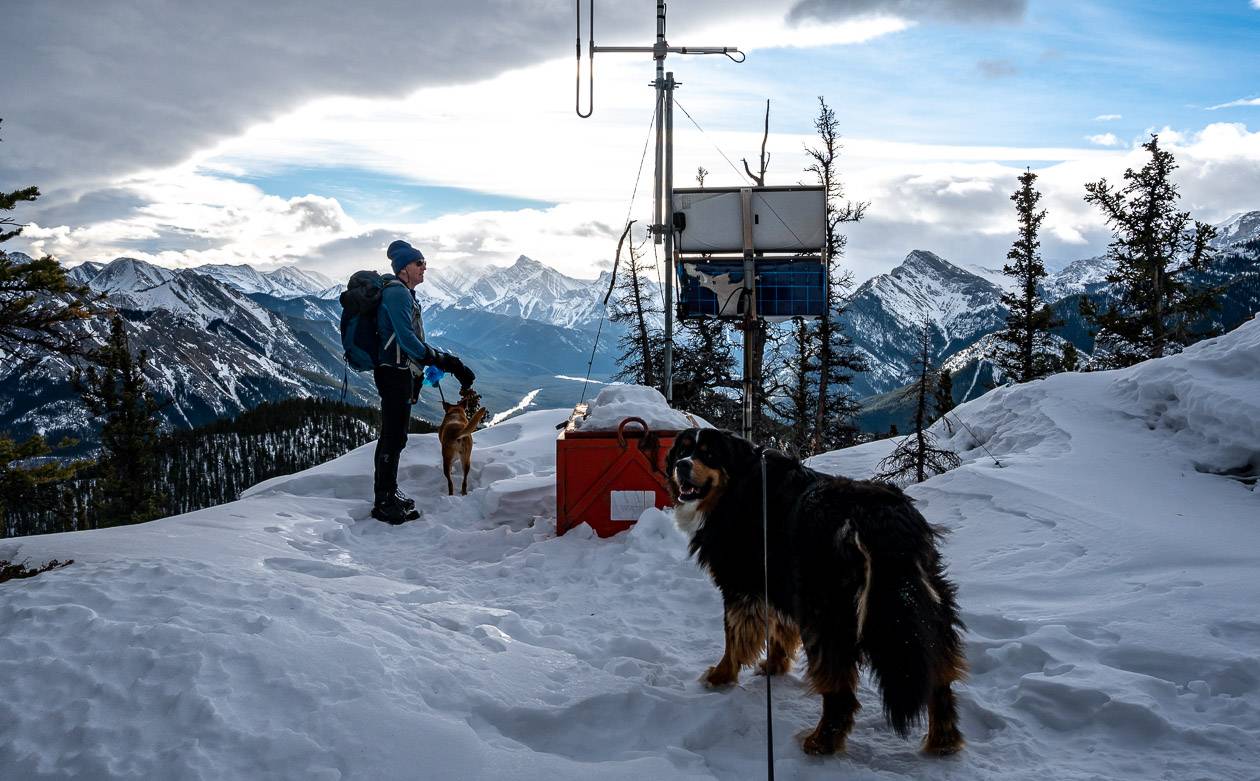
x=607, y=478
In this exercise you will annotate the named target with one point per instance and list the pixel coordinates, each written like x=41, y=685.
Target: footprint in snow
x=317, y=569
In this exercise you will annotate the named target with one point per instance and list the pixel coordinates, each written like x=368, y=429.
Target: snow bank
x=618, y=402
x=1106, y=571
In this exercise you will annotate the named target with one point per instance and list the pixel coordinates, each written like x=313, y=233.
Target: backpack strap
x=398, y=356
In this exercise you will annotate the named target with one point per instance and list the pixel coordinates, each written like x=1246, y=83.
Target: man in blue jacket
x=404, y=354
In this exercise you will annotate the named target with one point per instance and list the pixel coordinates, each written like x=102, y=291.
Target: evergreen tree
x=127, y=467
x=791, y=389
x=1069, y=359
x=835, y=410
x=25, y=470
x=643, y=344
x=38, y=304
x=1023, y=354
x=704, y=372
x=1153, y=247
x=917, y=456
x=38, y=307
x=212, y=464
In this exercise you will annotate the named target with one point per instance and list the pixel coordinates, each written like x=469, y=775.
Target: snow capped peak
x=284, y=282
x=300, y=281
x=533, y=290
x=84, y=272
x=921, y=263
x=886, y=312
x=130, y=275
x=928, y=287
x=1079, y=276
x=526, y=262
x=1243, y=226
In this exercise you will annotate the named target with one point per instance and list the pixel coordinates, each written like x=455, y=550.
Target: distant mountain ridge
x=885, y=313
x=225, y=337
x=888, y=307
x=215, y=351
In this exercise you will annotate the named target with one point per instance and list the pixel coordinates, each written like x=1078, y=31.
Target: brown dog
x=455, y=434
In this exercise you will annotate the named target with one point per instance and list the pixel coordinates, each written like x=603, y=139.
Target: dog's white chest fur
x=689, y=518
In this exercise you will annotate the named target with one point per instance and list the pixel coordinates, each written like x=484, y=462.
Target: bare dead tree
x=764, y=159
x=837, y=361
x=643, y=342
x=917, y=456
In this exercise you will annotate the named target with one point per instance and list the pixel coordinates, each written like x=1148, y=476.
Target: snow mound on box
x=618, y=402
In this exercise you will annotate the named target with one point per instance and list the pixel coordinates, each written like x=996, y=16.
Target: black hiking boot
x=409, y=504
x=392, y=511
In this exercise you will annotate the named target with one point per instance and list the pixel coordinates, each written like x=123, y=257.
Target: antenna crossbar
x=661, y=228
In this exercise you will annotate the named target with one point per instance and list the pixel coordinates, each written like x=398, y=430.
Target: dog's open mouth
x=690, y=492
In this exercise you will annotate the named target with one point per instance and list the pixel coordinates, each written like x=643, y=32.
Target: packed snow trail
x=1107, y=574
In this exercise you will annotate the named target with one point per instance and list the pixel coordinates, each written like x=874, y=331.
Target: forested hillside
x=210, y=465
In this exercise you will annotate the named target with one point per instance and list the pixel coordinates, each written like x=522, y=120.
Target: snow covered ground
x=1107, y=571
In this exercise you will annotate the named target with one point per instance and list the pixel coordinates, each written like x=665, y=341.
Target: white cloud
x=751, y=33
x=515, y=134
x=981, y=11
x=131, y=86
x=1107, y=117
x=953, y=200
x=189, y=219
x=1104, y=139
x=1239, y=102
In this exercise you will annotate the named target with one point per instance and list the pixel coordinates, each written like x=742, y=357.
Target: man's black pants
x=395, y=388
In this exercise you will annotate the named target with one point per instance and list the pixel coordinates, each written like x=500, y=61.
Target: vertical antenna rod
x=590, y=69
x=662, y=208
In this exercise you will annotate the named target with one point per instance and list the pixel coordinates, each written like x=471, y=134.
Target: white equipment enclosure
x=785, y=220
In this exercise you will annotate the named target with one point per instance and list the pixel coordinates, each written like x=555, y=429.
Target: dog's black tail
x=910, y=633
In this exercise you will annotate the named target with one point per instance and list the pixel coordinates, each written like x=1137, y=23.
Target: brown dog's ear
x=448, y=407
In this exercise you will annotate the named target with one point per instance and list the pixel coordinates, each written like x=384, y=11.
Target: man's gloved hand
x=440, y=359
x=453, y=365
x=462, y=373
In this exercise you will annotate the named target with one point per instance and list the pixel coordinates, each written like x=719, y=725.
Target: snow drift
x=1107, y=574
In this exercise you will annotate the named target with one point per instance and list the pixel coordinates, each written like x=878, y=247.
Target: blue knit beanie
x=401, y=254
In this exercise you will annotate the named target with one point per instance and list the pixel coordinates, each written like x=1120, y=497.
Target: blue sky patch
x=371, y=196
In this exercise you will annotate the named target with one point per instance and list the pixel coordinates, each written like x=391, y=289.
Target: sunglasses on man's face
x=421, y=263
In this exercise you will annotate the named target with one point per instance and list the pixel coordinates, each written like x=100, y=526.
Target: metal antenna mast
x=661, y=229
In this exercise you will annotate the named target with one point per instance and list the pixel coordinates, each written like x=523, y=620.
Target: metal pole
x=658, y=53
x=662, y=224
x=750, y=311
x=669, y=237
x=654, y=228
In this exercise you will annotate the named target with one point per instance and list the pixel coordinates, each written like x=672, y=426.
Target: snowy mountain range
x=963, y=305
x=223, y=338
x=285, y=282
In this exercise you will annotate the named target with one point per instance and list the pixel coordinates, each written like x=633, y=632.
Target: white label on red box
x=629, y=505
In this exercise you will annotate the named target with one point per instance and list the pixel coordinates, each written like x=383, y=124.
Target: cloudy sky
x=316, y=131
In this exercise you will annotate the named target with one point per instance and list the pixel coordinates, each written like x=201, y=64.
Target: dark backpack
x=359, y=302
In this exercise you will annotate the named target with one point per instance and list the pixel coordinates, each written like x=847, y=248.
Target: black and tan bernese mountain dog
x=855, y=576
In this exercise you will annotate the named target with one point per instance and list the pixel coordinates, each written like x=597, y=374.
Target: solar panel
x=785, y=288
